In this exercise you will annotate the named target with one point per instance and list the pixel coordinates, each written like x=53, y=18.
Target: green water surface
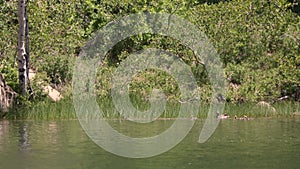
x=259, y=143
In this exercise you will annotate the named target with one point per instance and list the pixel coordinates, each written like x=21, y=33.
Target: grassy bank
x=64, y=109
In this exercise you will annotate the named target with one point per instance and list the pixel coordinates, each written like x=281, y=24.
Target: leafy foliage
x=259, y=44
x=258, y=41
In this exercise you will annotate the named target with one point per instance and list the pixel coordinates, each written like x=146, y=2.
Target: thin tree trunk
x=28, y=53
x=23, y=48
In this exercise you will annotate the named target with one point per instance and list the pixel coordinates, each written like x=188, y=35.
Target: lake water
x=258, y=143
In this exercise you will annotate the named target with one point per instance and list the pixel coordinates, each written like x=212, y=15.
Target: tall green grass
x=44, y=110
x=280, y=109
x=64, y=109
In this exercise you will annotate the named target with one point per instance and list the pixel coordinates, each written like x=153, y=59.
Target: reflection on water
x=260, y=143
x=23, y=136
x=4, y=126
x=52, y=131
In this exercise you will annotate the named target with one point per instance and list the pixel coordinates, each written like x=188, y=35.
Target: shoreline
x=64, y=110
x=158, y=119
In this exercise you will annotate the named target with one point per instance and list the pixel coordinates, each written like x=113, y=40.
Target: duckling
x=194, y=118
x=242, y=118
x=246, y=117
x=221, y=116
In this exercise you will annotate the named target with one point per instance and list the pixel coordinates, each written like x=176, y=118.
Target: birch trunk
x=23, y=48
x=27, y=53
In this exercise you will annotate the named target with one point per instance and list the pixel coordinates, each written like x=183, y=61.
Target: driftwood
x=7, y=95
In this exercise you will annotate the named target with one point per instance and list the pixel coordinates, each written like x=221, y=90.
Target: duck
x=222, y=116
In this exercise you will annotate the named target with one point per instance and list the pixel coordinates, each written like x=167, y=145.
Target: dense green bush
x=56, y=35
x=8, y=42
x=258, y=42
x=10, y=73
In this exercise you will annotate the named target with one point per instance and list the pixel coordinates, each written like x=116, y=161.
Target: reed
x=280, y=109
x=48, y=110
x=44, y=110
